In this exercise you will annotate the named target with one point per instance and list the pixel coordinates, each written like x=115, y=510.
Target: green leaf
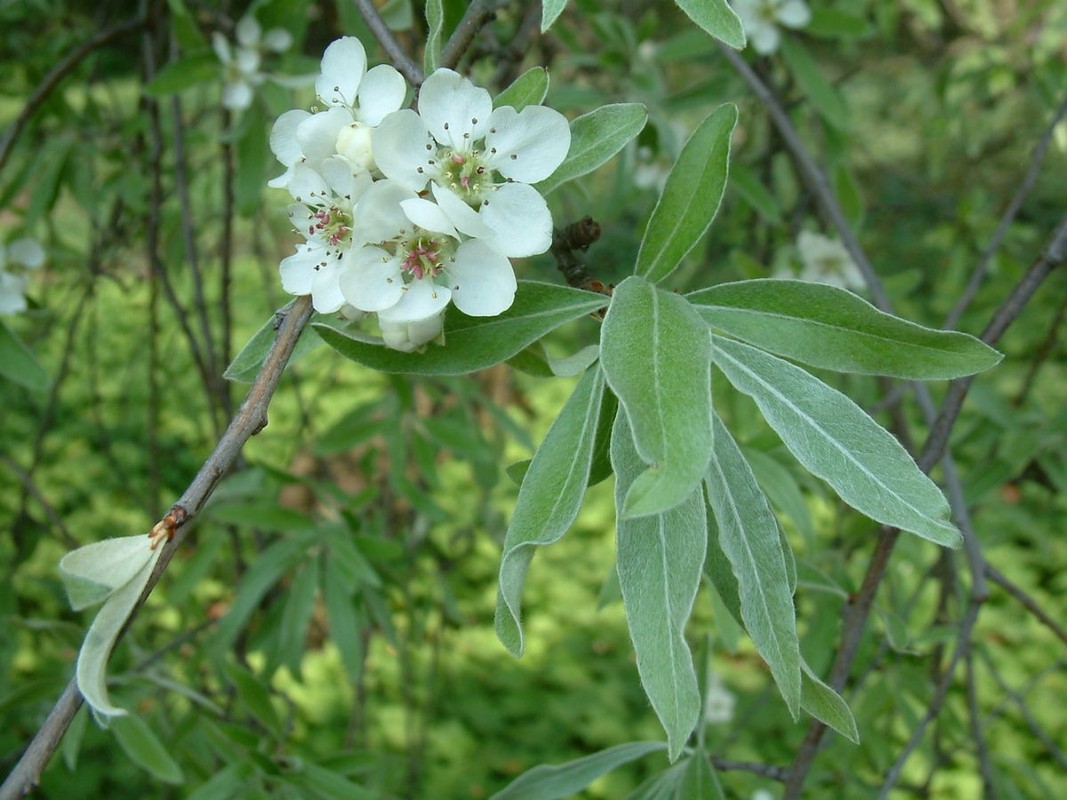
x=654, y=350
x=145, y=749
x=832, y=328
x=824, y=97
x=690, y=198
x=555, y=781
x=550, y=11
x=435, y=22
x=346, y=620
x=329, y=784
x=749, y=537
x=827, y=706
x=835, y=23
x=252, y=155
x=18, y=363
x=698, y=780
x=94, y=571
x=187, y=71
x=659, y=560
x=596, y=137
x=254, y=696
x=837, y=441
x=223, y=785
x=473, y=343
x=600, y=468
x=717, y=19
x=245, y=366
x=549, y=499
x=743, y=180
x=529, y=89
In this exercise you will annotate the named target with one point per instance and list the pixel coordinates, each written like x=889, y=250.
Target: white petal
x=297, y=269
x=346, y=181
x=317, y=135
x=528, y=145
x=460, y=214
x=422, y=298
x=27, y=252
x=247, y=61
x=283, y=142
x=343, y=65
x=482, y=280
x=404, y=150
x=248, y=31
x=326, y=294
x=764, y=38
x=12, y=293
x=370, y=279
x=379, y=217
x=520, y=220
x=307, y=185
x=794, y=13
x=409, y=336
x=428, y=216
x=381, y=92
x=454, y=109
x=222, y=48
x=354, y=143
x=236, y=96
x=278, y=40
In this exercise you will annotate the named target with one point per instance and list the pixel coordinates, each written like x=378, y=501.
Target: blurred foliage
x=329, y=624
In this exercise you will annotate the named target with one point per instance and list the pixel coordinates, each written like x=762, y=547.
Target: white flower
x=25, y=253
x=718, y=701
x=827, y=261
x=241, y=62
x=486, y=158
x=357, y=100
x=761, y=19
x=762, y=794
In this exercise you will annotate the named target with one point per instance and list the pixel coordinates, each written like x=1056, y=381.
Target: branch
x=1028, y=602
x=478, y=13
x=404, y=64
x=55, y=75
x=250, y=419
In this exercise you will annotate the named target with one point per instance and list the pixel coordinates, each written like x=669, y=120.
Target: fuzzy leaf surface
x=595, y=138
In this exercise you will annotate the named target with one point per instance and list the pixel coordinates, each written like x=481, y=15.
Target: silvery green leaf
x=93, y=572
x=837, y=441
x=596, y=137
x=660, y=558
x=556, y=781
x=655, y=351
x=549, y=499
x=529, y=89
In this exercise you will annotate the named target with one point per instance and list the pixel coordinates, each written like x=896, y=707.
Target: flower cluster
x=827, y=261
x=761, y=19
x=14, y=257
x=241, y=61
x=404, y=211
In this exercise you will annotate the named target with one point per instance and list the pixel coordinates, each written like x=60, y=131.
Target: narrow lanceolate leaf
x=824, y=97
x=245, y=365
x=18, y=363
x=656, y=352
x=142, y=745
x=435, y=21
x=596, y=137
x=834, y=329
x=837, y=441
x=550, y=11
x=473, y=343
x=529, y=89
x=555, y=781
x=816, y=698
x=690, y=198
x=549, y=499
x=716, y=18
x=660, y=559
x=749, y=537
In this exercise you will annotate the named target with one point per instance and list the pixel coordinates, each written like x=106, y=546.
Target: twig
x=30, y=488
x=980, y=745
x=1028, y=602
x=55, y=75
x=764, y=770
x=405, y=65
x=1027, y=186
x=249, y=420
x=478, y=13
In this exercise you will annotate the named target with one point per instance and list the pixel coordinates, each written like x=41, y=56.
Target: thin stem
x=1031, y=605
x=250, y=419
x=404, y=63
x=478, y=13
x=55, y=75
x=981, y=747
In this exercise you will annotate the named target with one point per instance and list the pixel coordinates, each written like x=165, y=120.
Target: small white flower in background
x=719, y=701
x=761, y=19
x=827, y=261
x=762, y=794
x=241, y=61
x=23, y=253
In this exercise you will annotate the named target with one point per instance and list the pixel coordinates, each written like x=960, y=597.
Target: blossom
x=356, y=101
x=718, y=701
x=827, y=261
x=241, y=62
x=26, y=253
x=486, y=157
x=761, y=19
